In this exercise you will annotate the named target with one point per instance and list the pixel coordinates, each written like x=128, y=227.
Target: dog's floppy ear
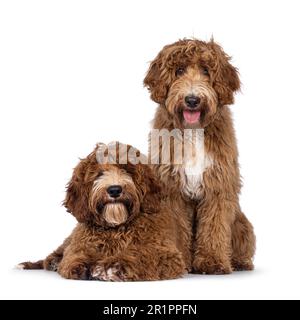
x=226, y=76
x=144, y=179
x=151, y=201
x=155, y=81
x=78, y=189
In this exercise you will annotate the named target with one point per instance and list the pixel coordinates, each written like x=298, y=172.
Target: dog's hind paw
x=30, y=265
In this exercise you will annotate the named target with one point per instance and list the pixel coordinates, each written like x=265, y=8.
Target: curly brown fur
x=219, y=237
x=127, y=237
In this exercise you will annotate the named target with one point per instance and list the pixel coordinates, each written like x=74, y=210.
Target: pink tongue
x=191, y=117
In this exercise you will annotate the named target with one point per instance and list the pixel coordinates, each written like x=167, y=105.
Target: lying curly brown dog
x=124, y=231
x=194, y=82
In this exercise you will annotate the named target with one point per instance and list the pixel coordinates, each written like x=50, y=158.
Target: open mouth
x=191, y=117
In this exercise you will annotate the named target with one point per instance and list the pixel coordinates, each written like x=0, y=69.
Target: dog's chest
x=111, y=242
x=196, y=161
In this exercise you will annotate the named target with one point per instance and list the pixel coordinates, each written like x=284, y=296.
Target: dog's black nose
x=192, y=101
x=114, y=191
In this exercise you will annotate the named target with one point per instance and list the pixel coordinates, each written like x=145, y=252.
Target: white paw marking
x=20, y=266
x=110, y=274
x=98, y=272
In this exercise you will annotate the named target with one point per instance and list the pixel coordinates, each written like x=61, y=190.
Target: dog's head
x=192, y=79
x=109, y=195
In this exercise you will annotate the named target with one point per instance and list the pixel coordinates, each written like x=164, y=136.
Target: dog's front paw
x=114, y=272
x=51, y=263
x=210, y=265
x=75, y=271
x=170, y=265
x=243, y=265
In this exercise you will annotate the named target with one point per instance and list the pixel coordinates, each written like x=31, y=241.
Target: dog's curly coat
x=128, y=236
x=194, y=82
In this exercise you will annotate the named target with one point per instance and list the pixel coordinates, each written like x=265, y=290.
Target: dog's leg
x=243, y=243
x=171, y=264
x=145, y=263
x=31, y=265
x=74, y=266
x=51, y=263
x=138, y=264
x=212, y=245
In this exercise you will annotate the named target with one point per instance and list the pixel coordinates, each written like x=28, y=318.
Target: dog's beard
x=115, y=213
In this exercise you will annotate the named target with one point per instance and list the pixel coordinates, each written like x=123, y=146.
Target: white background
x=71, y=75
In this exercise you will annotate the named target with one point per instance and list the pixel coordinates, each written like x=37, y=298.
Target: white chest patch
x=195, y=162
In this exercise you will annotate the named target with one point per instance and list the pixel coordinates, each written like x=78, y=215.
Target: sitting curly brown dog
x=124, y=230
x=194, y=82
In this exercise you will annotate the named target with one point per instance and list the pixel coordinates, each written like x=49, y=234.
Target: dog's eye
x=179, y=71
x=205, y=71
x=100, y=173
